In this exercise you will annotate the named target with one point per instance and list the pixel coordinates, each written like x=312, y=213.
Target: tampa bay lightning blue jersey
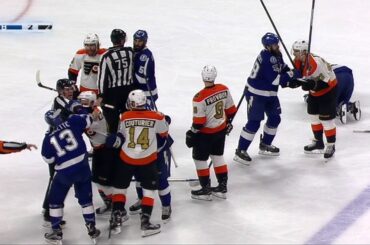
x=144, y=70
x=345, y=83
x=65, y=145
x=268, y=72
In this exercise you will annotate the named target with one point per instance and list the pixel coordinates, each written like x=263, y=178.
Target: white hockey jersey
x=98, y=131
x=90, y=66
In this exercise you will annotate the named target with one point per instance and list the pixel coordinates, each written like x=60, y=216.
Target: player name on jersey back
x=216, y=97
x=139, y=122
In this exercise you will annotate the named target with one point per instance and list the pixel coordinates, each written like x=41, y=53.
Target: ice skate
x=93, y=232
x=355, y=109
x=343, y=113
x=268, y=150
x=116, y=220
x=220, y=190
x=54, y=237
x=316, y=147
x=329, y=151
x=135, y=208
x=147, y=228
x=203, y=194
x=166, y=213
x=241, y=156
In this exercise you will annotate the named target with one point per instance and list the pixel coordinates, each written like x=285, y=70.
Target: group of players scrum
x=115, y=107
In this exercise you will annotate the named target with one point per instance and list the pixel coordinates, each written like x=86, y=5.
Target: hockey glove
x=308, y=84
x=229, y=127
x=294, y=83
x=114, y=140
x=190, y=138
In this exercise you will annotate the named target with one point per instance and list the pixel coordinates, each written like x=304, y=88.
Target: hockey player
x=7, y=147
x=144, y=78
x=115, y=79
x=64, y=146
x=269, y=71
x=65, y=89
x=345, y=89
x=320, y=80
x=87, y=59
x=139, y=128
x=213, y=107
x=144, y=67
x=103, y=158
x=62, y=105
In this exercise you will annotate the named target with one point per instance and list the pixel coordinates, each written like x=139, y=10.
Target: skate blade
x=202, y=197
x=239, y=160
x=149, y=232
x=268, y=153
x=53, y=242
x=315, y=152
x=94, y=241
x=219, y=195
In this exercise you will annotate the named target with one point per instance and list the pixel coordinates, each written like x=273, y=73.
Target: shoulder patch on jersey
x=143, y=57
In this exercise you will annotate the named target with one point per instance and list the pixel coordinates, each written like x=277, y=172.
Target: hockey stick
x=277, y=32
x=155, y=108
x=39, y=83
x=309, y=37
x=361, y=131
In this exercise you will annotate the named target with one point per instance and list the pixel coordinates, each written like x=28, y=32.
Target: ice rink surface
x=291, y=199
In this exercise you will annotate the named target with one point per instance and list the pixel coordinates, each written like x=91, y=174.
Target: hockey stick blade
x=361, y=131
x=39, y=83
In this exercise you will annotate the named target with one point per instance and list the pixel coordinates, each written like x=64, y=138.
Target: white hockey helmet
x=87, y=98
x=136, y=99
x=91, y=39
x=209, y=73
x=300, y=46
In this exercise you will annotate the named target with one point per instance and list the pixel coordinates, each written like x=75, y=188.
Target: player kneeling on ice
x=104, y=159
x=320, y=80
x=137, y=138
x=65, y=147
x=213, y=108
x=345, y=108
x=269, y=71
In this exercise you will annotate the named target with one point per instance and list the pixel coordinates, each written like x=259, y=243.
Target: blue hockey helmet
x=269, y=39
x=141, y=35
x=53, y=118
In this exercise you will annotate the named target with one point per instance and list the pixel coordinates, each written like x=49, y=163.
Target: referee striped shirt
x=115, y=68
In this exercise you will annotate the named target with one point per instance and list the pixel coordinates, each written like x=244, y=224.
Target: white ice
x=283, y=200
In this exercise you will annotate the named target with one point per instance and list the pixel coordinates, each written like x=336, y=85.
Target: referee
x=115, y=79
